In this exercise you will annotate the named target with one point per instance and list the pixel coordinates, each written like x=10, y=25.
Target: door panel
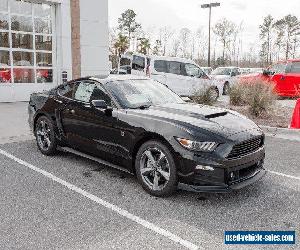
x=87, y=128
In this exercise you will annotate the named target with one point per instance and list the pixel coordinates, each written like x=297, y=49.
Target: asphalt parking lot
x=39, y=211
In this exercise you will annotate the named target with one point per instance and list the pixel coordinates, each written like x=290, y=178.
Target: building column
x=75, y=28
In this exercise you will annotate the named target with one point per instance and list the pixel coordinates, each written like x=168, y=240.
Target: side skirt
x=73, y=151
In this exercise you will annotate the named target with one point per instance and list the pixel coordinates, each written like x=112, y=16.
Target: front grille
x=246, y=147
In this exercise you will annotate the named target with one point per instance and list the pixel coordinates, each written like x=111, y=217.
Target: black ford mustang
x=141, y=126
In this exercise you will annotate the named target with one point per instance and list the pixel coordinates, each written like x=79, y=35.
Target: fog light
x=205, y=168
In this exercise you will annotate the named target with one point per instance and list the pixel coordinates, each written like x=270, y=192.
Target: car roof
x=171, y=58
x=109, y=78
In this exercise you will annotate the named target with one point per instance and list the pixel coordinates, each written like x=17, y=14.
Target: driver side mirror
x=102, y=105
x=99, y=104
x=266, y=72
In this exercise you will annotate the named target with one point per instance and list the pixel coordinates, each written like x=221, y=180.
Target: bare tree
x=224, y=29
x=266, y=31
x=289, y=27
x=184, y=37
x=165, y=33
x=176, y=47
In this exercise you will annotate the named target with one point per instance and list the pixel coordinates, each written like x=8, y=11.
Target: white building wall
x=94, y=47
x=94, y=37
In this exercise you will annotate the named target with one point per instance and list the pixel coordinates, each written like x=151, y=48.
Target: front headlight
x=197, y=146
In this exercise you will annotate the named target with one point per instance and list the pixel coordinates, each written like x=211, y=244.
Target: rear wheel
x=214, y=92
x=45, y=136
x=156, y=169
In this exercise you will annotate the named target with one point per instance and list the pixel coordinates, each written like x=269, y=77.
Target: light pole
x=205, y=6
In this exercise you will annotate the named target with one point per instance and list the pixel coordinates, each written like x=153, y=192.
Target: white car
x=181, y=75
x=227, y=77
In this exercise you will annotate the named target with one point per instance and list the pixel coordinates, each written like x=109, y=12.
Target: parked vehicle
x=207, y=70
x=181, y=75
x=227, y=75
x=139, y=125
x=285, y=75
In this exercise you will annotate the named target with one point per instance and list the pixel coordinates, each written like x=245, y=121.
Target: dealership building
x=46, y=42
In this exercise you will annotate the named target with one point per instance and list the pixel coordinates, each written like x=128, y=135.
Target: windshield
x=138, y=93
x=221, y=71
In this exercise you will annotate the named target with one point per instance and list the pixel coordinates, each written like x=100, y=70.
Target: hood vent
x=215, y=115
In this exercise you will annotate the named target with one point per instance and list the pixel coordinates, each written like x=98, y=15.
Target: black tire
x=226, y=88
x=165, y=164
x=45, y=136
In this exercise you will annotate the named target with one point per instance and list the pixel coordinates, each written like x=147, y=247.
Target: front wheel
x=156, y=169
x=45, y=136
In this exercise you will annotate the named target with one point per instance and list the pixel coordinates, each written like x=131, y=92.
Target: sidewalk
x=13, y=122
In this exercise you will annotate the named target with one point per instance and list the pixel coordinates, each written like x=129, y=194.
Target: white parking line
x=106, y=204
x=285, y=175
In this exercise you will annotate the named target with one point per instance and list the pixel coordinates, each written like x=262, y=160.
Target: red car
x=284, y=74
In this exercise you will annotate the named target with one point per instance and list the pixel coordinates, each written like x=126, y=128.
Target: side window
x=138, y=63
x=295, y=67
x=67, y=90
x=160, y=66
x=281, y=68
x=175, y=68
x=100, y=94
x=193, y=70
x=84, y=91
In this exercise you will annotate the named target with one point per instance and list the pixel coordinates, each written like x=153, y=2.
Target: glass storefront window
x=44, y=59
x=4, y=22
x=23, y=75
x=44, y=75
x=42, y=26
x=4, y=57
x=43, y=42
x=21, y=23
x=4, y=39
x=23, y=41
x=22, y=58
x=5, y=74
x=26, y=44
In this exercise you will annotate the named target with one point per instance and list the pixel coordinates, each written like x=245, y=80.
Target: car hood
x=220, y=121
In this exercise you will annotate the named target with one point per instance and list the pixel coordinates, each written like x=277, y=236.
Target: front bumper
x=227, y=175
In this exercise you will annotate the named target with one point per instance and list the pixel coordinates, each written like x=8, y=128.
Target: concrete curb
x=282, y=133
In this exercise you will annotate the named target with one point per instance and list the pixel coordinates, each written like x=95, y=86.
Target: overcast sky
x=187, y=13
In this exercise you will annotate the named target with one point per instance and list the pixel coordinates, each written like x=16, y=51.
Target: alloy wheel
x=43, y=134
x=155, y=169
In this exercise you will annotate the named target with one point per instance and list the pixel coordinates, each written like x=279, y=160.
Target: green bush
x=207, y=96
x=259, y=95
